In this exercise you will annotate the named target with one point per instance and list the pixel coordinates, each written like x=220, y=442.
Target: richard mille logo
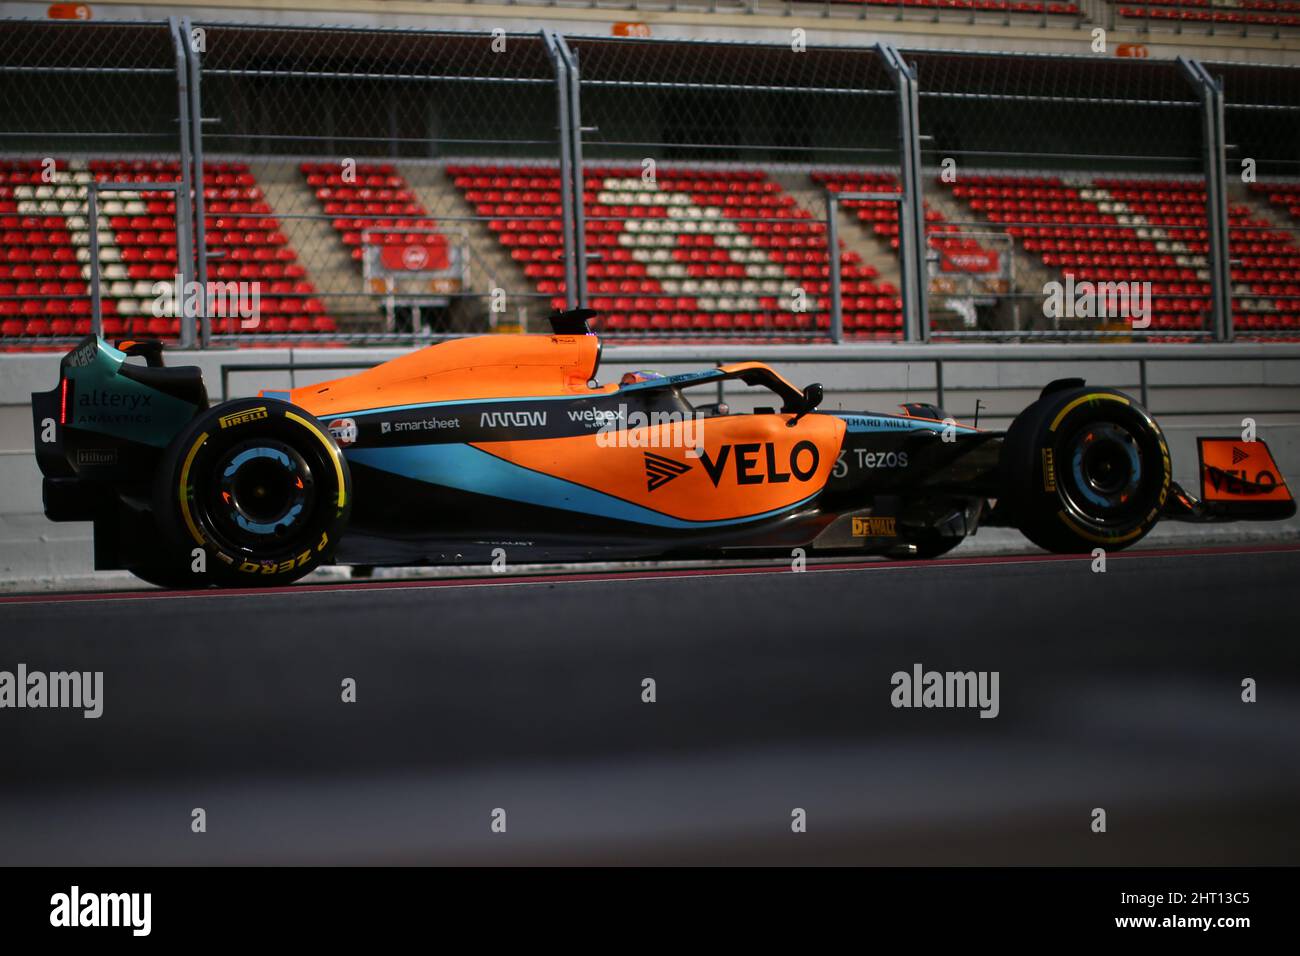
x=660, y=470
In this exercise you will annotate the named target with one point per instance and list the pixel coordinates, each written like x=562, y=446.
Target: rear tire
x=1085, y=468
x=255, y=492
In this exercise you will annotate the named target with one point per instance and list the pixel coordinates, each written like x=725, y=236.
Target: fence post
x=911, y=214
x=833, y=248
x=1213, y=151
x=96, y=296
x=196, y=182
x=576, y=172
x=565, y=123
x=184, y=221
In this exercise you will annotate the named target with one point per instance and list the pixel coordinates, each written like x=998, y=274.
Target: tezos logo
x=881, y=459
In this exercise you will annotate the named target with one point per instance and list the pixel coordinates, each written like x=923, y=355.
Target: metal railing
x=180, y=191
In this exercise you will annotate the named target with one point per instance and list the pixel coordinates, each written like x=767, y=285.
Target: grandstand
x=392, y=185
x=696, y=250
x=1245, y=13
x=44, y=280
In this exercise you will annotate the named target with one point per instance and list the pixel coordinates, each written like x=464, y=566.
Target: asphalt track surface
x=1119, y=690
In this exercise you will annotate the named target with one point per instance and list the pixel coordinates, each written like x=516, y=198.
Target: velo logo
x=758, y=463
x=660, y=470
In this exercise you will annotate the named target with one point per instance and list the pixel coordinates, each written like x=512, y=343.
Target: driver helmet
x=635, y=378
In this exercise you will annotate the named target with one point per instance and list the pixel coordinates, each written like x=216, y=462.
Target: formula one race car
x=493, y=447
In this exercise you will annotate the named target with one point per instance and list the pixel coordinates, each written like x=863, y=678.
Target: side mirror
x=151, y=349
x=812, y=397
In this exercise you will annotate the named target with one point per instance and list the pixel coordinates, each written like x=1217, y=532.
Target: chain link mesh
x=364, y=145
x=708, y=167
x=396, y=184
x=1262, y=120
x=1065, y=197
x=82, y=103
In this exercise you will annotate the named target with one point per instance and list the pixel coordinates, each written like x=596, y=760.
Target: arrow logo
x=660, y=470
x=1238, y=456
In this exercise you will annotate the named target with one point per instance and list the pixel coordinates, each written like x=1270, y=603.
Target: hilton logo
x=96, y=456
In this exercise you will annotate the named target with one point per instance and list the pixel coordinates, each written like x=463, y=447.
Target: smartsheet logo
x=950, y=689
x=82, y=690
x=76, y=909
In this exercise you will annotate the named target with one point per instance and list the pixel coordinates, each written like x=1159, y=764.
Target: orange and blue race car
x=479, y=447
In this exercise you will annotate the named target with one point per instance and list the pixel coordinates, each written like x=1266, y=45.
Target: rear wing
x=107, y=422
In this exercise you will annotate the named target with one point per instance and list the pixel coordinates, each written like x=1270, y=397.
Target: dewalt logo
x=875, y=527
x=244, y=417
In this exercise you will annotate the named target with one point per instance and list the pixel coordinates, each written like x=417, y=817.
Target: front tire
x=1085, y=468
x=255, y=491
